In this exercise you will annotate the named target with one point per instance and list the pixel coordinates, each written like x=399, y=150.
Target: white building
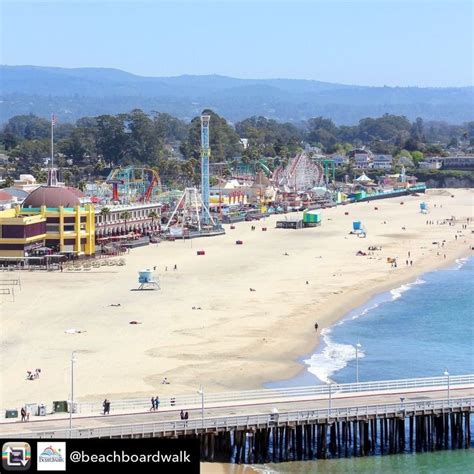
x=383, y=162
x=430, y=165
x=339, y=160
x=362, y=160
x=125, y=218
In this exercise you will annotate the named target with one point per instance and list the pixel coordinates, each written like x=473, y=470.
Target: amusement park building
x=140, y=217
x=52, y=218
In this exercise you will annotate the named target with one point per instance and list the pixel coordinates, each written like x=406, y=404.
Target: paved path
x=244, y=408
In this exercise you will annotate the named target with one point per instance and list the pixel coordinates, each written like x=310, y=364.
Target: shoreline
x=386, y=289
x=339, y=312
x=241, y=339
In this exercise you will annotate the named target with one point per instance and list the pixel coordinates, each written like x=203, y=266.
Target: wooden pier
x=416, y=426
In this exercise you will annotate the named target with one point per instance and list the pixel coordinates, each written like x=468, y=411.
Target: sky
x=374, y=42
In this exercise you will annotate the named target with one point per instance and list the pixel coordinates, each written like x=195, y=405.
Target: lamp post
x=358, y=346
x=330, y=398
x=71, y=408
x=447, y=375
x=201, y=392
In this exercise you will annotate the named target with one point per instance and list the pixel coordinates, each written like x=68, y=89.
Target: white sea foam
x=461, y=262
x=334, y=357
x=398, y=292
x=366, y=310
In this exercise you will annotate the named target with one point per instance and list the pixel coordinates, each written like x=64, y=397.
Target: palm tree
x=125, y=216
x=82, y=185
x=104, y=212
x=152, y=215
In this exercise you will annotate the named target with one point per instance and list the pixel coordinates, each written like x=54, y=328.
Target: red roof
x=4, y=196
x=53, y=196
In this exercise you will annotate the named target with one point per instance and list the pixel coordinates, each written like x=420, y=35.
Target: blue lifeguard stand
x=359, y=229
x=424, y=208
x=147, y=281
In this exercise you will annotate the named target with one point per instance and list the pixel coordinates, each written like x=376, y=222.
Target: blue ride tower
x=205, y=153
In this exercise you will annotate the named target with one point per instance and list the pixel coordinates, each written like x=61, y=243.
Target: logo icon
x=51, y=456
x=16, y=456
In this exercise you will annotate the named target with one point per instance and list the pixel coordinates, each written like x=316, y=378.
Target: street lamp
x=358, y=346
x=447, y=375
x=71, y=408
x=201, y=392
x=330, y=398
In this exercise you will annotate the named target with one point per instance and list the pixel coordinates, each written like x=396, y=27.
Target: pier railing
x=216, y=399
x=219, y=423
x=220, y=399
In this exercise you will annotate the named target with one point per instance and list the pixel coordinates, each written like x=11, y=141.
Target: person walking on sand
x=175, y=267
x=316, y=326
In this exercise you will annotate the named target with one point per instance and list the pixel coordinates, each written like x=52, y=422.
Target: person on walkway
x=186, y=416
x=157, y=403
x=181, y=415
x=152, y=404
x=175, y=267
x=104, y=406
x=23, y=414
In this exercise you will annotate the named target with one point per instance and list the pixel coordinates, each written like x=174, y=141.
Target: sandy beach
x=239, y=339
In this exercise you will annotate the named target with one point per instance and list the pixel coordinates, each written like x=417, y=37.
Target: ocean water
x=440, y=462
x=417, y=330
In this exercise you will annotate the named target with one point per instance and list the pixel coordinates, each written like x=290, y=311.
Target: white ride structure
x=188, y=213
x=301, y=174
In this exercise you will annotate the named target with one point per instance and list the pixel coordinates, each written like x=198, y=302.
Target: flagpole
x=52, y=143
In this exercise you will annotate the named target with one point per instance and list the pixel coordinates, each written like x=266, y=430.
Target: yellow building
x=52, y=217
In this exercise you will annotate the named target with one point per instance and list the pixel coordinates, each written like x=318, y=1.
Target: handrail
x=251, y=420
x=279, y=394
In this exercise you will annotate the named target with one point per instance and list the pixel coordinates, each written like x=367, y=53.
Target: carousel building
x=52, y=219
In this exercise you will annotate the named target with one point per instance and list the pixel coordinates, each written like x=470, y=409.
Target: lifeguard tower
x=359, y=229
x=424, y=209
x=147, y=280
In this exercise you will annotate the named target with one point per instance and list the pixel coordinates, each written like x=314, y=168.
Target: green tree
x=416, y=156
x=105, y=211
x=8, y=182
x=125, y=216
x=67, y=176
x=82, y=185
x=224, y=141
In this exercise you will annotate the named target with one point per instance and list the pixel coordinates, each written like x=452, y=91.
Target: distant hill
x=75, y=93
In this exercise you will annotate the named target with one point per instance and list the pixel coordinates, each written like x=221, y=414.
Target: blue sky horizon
x=421, y=43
